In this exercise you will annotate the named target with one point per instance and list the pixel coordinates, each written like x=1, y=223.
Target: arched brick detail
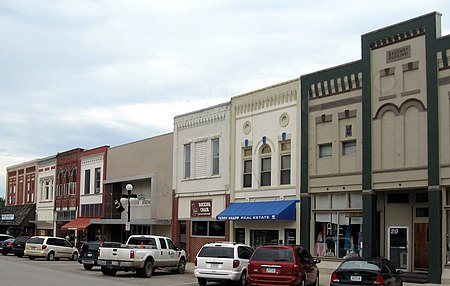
x=386, y=107
x=412, y=102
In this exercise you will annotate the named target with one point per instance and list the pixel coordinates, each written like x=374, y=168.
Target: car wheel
x=31, y=257
x=19, y=255
x=147, y=271
x=108, y=272
x=202, y=281
x=88, y=266
x=51, y=256
x=181, y=266
x=317, y=280
x=5, y=253
x=75, y=256
x=243, y=279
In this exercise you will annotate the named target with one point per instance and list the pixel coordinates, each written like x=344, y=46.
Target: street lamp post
x=129, y=188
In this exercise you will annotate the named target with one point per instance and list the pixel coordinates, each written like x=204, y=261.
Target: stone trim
x=347, y=114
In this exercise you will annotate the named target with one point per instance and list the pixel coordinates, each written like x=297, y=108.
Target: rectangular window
x=325, y=150
x=187, y=160
x=87, y=182
x=348, y=147
x=285, y=166
x=208, y=228
x=215, y=156
x=266, y=171
x=247, y=174
x=97, y=180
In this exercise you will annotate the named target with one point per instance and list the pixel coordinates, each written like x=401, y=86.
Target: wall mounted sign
x=201, y=208
x=7, y=216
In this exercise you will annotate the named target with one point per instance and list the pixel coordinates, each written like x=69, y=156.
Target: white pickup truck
x=142, y=254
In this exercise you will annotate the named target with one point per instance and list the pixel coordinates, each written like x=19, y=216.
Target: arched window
x=266, y=163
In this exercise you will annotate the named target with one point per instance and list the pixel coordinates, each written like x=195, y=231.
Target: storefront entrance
x=398, y=247
x=261, y=237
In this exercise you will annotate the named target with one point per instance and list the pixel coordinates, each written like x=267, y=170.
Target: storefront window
x=208, y=228
x=338, y=234
x=239, y=235
x=261, y=237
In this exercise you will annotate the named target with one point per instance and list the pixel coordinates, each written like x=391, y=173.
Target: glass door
x=398, y=246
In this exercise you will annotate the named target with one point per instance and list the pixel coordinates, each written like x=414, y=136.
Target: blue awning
x=276, y=210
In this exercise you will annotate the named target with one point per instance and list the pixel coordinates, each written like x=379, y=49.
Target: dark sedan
x=361, y=271
x=19, y=245
x=89, y=253
x=6, y=246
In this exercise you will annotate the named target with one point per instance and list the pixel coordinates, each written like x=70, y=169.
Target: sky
x=106, y=72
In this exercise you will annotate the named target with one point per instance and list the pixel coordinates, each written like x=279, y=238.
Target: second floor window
x=325, y=150
x=97, y=180
x=215, y=156
x=187, y=160
x=87, y=182
x=247, y=174
x=266, y=166
x=285, y=165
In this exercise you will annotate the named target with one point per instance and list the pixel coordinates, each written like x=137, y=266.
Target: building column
x=435, y=234
x=305, y=220
x=370, y=235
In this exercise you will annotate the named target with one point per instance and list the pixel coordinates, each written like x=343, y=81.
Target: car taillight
x=98, y=253
x=44, y=246
x=235, y=263
x=334, y=277
x=131, y=253
x=379, y=280
x=195, y=262
x=10, y=244
x=296, y=268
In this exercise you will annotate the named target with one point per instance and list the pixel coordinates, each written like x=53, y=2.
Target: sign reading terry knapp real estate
x=201, y=208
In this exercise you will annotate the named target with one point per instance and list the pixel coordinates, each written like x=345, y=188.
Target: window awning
x=276, y=210
x=79, y=223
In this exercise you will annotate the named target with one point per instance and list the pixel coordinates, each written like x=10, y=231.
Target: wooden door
x=421, y=246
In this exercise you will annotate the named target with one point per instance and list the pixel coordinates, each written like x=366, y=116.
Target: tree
x=2, y=202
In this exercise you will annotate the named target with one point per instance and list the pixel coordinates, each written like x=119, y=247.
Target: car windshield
x=359, y=264
x=36, y=240
x=275, y=255
x=217, y=252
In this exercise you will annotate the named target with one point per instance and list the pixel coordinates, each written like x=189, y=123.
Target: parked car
x=361, y=271
x=19, y=245
x=50, y=247
x=89, y=252
x=282, y=265
x=5, y=237
x=6, y=246
x=224, y=261
x=142, y=254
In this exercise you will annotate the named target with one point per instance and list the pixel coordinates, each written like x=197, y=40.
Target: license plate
x=214, y=266
x=271, y=270
x=115, y=263
x=355, y=278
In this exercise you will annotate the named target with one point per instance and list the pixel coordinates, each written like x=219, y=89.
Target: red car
x=282, y=265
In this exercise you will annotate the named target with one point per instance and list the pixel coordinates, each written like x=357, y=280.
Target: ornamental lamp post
x=129, y=188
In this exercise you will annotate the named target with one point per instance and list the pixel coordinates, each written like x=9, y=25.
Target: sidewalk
x=324, y=278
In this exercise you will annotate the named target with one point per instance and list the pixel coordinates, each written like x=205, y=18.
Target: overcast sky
x=92, y=73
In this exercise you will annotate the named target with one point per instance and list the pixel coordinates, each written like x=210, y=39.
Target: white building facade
x=45, y=197
x=201, y=176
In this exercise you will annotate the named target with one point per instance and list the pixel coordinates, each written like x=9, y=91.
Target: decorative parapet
x=337, y=85
x=443, y=54
x=269, y=101
x=400, y=37
x=202, y=117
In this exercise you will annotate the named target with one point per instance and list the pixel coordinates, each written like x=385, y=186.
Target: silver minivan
x=50, y=247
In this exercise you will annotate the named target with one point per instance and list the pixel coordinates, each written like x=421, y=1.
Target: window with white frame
x=325, y=150
x=97, y=180
x=247, y=174
x=348, y=147
x=285, y=163
x=87, y=182
x=187, y=160
x=266, y=165
x=215, y=156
